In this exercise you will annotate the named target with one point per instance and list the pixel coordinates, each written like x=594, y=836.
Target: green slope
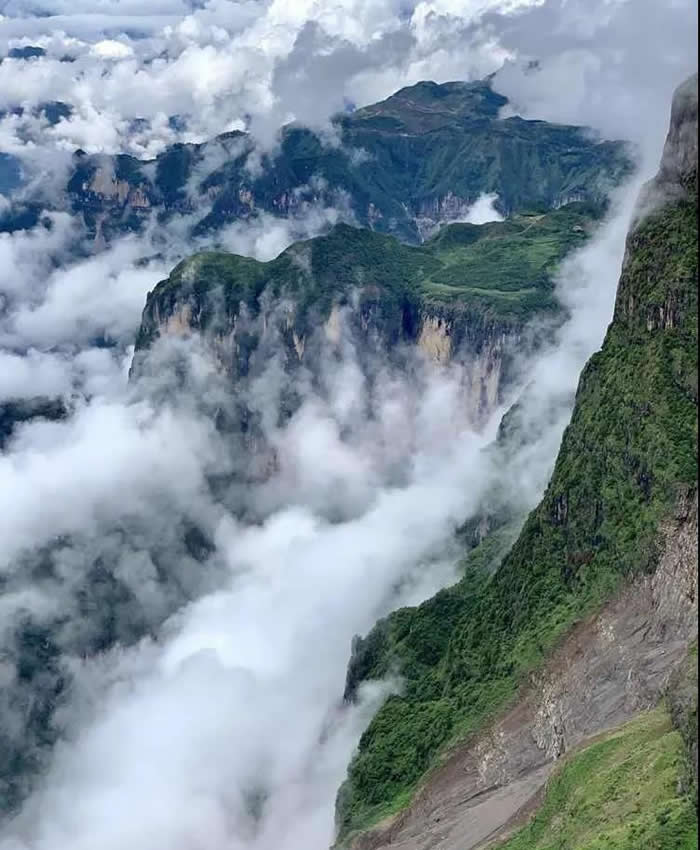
x=425, y=143
x=629, y=450
x=619, y=793
x=396, y=160
x=498, y=272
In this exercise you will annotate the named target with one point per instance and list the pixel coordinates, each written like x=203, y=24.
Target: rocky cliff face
x=365, y=329
x=595, y=606
x=453, y=305
x=610, y=667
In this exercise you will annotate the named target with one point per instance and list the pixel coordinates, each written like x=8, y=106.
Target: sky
x=213, y=720
x=222, y=65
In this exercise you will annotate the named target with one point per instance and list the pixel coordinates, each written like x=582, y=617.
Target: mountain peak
x=428, y=105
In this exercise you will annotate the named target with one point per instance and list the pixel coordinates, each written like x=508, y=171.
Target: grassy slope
x=619, y=793
x=502, y=270
x=429, y=141
x=631, y=444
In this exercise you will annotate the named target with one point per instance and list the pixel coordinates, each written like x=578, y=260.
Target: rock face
x=452, y=304
x=680, y=155
x=594, y=608
x=608, y=668
x=361, y=329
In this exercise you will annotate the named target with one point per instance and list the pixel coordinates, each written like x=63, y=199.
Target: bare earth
x=608, y=668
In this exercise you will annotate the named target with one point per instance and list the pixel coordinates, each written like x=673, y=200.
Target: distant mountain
x=403, y=166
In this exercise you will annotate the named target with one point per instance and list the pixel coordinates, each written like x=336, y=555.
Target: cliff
x=463, y=298
x=595, y=606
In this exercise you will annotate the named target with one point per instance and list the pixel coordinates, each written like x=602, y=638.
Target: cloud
x=594, y=68
x=110, y=49
x=222, y=725
x=184, y=625
x=219, y=64
x=483, y=210
x=240, y=647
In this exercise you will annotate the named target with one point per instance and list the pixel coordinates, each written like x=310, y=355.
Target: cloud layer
x=182, y=640
x=224, y=65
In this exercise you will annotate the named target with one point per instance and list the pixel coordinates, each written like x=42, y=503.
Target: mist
x=175, y=627
x=218, y=721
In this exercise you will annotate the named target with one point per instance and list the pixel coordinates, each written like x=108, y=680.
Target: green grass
x=628, y=452
x=498, y=258
x=499, y=272
x=619, y=793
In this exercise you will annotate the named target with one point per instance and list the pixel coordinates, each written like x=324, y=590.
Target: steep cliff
x=464, y=298
x=595, y=605
x=420, y=158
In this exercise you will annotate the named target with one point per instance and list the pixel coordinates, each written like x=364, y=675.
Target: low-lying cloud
x=220, y=66
x=222, y=725
x=175, y=634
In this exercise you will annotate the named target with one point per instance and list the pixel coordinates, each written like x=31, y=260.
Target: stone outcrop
x=243, y=342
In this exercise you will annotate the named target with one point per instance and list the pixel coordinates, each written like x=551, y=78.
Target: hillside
x=596, y=602
x=626, y=786
x=464, y=297
x=402, y=166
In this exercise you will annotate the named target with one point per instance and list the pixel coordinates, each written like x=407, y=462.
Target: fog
x=174, y=630
x=222, y=725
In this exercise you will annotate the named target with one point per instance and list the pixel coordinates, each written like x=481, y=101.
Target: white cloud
x=483, y=210
x=236, y=688
x=222, y=63
x=110, y=49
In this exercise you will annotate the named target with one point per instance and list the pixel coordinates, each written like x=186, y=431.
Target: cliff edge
x=593, y=611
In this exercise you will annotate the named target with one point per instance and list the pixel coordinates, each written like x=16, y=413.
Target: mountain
x=403, y=166
x=464, y=297
x=590, y=616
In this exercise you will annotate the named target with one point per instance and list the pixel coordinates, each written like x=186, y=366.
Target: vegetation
x=500, y=272
x=400, y=159
x=683, y=703
x=628, y=452
x=619, y=793
x=425, y=144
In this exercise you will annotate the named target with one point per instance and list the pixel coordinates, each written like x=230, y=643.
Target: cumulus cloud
x=483, y=210
x=187, y=637
x=589, y=63
x=222, y=64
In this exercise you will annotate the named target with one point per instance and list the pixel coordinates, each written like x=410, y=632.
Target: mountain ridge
x=618, y=522
x=416, y=160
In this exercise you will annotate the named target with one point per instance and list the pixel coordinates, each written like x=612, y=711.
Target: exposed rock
x=104, y=183
x=607, y=669
x=680, y=155
x=678, y=168
x=367, y=290
x=178, y=323
x=618, y=522
x=434, y=339
x=332, y=327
